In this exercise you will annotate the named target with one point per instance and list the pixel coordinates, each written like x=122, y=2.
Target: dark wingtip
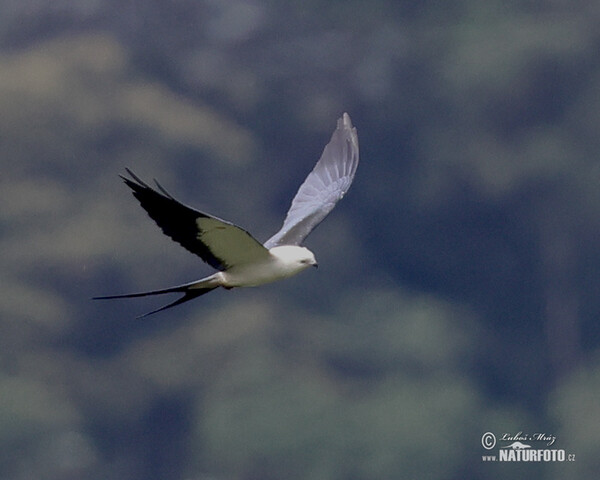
x=163, y=190
x=134, y=181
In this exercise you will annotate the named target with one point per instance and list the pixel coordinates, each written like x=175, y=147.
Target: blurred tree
x=472, y=228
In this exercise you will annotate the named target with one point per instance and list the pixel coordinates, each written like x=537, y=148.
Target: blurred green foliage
x=458, y=285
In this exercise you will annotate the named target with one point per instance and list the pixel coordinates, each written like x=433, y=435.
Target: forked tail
x=190, y=291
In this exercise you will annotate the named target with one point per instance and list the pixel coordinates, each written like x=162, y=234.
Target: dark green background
x=458, y=284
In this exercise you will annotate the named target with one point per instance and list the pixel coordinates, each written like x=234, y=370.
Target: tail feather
x=190, y=291
x=178, y=288
x=189, y=295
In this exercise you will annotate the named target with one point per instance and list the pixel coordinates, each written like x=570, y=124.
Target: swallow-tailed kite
x=243, y=261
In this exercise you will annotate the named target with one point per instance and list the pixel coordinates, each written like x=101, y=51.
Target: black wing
x=219, y=243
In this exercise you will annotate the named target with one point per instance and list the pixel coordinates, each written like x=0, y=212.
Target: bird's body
x=242, y=261
x=283, y=262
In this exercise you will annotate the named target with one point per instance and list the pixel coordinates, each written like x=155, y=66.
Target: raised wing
x=323, y=188
x=219, y=243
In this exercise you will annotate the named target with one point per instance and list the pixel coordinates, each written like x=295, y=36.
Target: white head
x=293, y=257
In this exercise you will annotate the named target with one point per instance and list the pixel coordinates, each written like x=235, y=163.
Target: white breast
x=283, y=261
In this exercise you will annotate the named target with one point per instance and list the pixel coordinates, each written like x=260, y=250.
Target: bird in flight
x=241, y=260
